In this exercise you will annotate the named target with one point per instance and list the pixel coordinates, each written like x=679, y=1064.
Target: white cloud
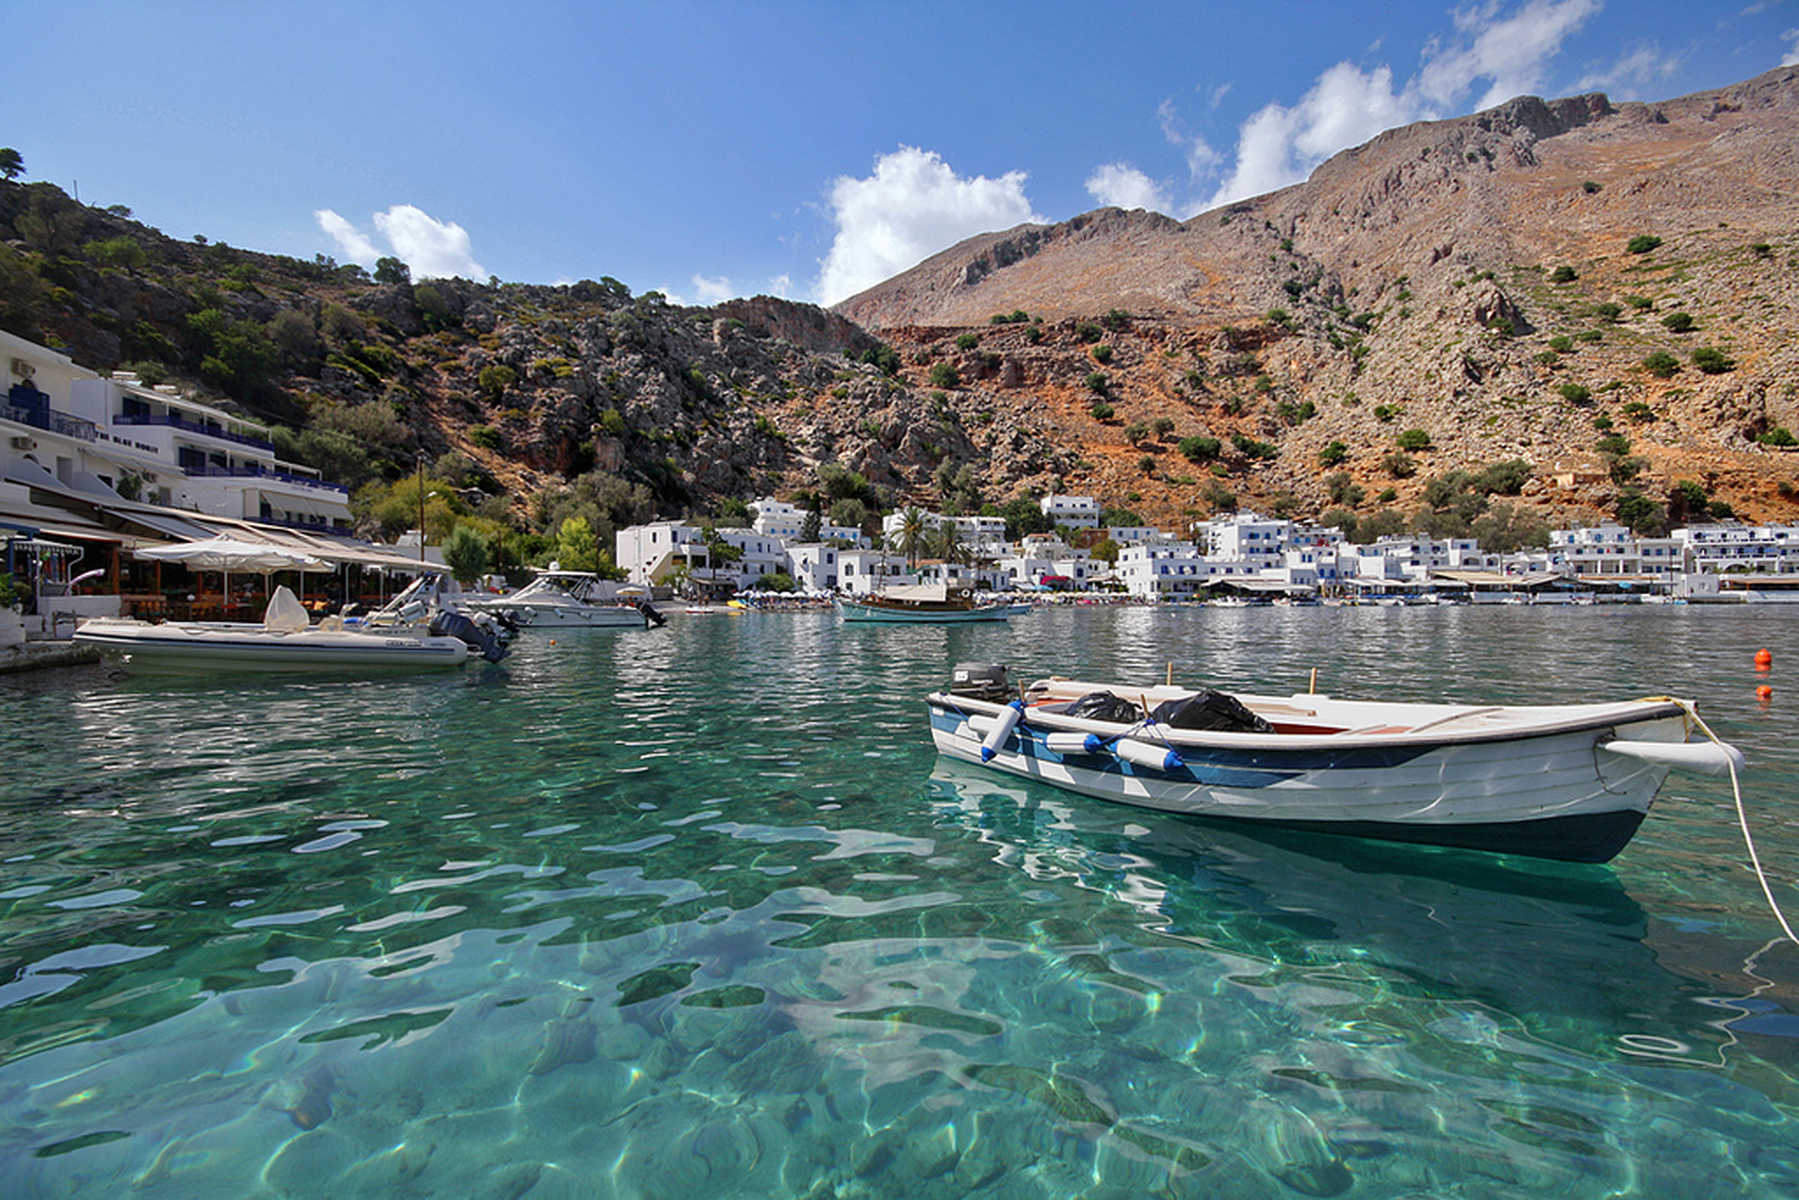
x=911, y=207
x=1277, y=146
x=1201, y=158
x=712, y=291
x=433, y=249
x=1347, y=105
x=781, y=286
x=1220, y=92
x=1791, y=58
x=1124, y=186
x=350, y=241
x=1633, y=72
x=1513, y=54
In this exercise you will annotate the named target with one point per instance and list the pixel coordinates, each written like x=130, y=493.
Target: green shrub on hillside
x=1399, y=464
x=496, y=378
x=1643, y=243
x=1250, y=448
x=1199, y=449
x=1712, y=361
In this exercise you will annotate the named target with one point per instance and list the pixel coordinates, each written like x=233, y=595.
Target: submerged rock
x=565, y=1040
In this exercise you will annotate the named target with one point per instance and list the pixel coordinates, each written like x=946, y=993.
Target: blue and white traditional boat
x=925, y=603
x=1551, y=781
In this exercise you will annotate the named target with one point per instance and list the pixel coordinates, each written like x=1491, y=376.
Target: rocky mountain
x=1497, y=281
x=1575, y=308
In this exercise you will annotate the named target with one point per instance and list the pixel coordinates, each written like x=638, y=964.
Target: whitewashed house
x=1076, y=512
x=72, y=430
x=777, y=518
x=862, y=572
x=1731, y=546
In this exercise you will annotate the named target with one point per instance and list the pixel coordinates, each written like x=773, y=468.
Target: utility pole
x=421, y=482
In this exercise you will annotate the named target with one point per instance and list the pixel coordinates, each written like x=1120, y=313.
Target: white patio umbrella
x=227, y=554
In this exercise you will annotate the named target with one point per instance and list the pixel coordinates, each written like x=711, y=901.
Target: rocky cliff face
x=1475, y=279
x=1609, y=292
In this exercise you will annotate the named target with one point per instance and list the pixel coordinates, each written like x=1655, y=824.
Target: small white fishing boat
x=1551, y=781
x=559, y=599
x=927, y=603
x=410, y=633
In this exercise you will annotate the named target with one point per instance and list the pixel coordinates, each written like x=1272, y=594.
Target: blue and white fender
x=1147, y=754
x=1074, y=743
x=1002, y=729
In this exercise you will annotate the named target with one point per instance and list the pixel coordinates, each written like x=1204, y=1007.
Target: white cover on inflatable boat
x=285, y=612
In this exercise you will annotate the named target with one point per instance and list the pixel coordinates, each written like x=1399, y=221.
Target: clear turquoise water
x=698, y=912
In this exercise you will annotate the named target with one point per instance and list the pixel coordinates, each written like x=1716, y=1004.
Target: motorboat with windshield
x=559, y=599
x=420, y=628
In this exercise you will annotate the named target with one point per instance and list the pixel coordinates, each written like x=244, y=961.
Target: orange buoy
x=1763, y=660
x=1764, y=692
x=552, y=641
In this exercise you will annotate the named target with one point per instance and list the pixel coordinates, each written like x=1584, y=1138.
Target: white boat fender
x=1074, y=743
x=1147, y=754
x=1009, y=718
x=1708, y=758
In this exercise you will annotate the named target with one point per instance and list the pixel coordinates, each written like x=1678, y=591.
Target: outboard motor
x=492, y=641
x=980, y=681
x=650, y=615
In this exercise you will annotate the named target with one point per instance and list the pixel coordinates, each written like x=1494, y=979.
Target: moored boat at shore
x=414, y=631
x=926, y=603
x=1566, y=782
x=559, y=599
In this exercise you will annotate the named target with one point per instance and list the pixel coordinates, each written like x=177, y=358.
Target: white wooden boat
x=285, y=640
x=1551, y=781
x=931, y=604
x=567, y=600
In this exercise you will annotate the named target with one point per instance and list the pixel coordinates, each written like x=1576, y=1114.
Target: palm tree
x=912, y=533
x=949, y=542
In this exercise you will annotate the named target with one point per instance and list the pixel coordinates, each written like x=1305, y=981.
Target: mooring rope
x=1742, y=820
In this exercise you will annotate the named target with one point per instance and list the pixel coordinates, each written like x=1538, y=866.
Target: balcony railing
x=53, y=421
x=299, y=523
x=213, y=472
x=174, y=422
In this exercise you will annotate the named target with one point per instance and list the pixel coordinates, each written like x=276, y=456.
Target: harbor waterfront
x=699, y=911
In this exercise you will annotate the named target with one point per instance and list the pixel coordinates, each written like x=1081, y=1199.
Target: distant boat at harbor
x=932, y=604
x=568, y=600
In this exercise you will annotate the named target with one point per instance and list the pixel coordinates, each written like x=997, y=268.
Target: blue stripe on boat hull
x=1225, y=768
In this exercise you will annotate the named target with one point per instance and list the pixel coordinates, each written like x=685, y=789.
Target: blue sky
x=800, y=149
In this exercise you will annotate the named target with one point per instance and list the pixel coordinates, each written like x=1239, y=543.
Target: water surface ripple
x=698, y=912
